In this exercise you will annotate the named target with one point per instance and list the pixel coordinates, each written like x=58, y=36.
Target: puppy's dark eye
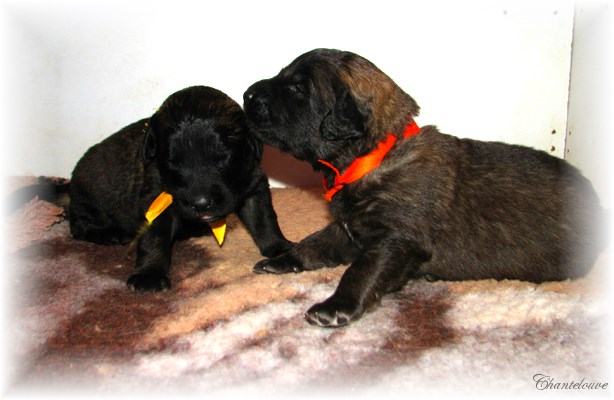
x=177, y=176
x=295, y=88
x=174, y=163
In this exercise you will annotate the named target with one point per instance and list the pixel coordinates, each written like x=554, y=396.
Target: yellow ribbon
x=158, y=206
x=165, y=199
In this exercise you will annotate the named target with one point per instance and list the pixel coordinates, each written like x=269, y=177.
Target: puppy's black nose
x=256, y=103
x=254, y=97
x=201, y=204
x=248, y=95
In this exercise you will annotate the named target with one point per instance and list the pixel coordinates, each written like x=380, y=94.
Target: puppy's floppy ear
x=149, y=143
x=346, y=120
x=241, y=134
x=254, y=145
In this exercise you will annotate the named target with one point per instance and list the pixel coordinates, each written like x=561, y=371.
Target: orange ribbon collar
x=365, y=164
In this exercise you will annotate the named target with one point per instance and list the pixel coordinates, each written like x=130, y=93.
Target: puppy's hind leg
x=382, y=268
x=90, y=225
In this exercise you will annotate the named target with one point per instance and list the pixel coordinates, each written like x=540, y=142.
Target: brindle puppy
x=437, y=207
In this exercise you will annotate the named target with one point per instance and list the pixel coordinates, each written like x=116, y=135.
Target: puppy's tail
x=53, y=190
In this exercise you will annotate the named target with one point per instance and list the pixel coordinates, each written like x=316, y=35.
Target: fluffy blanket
x=75, y=327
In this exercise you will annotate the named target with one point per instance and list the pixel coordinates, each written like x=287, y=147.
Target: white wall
x=80, y=70
x=589, y=128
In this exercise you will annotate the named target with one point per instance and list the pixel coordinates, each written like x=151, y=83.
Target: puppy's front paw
x=149, y=281
x=334, y=312
x=277, y=248
x=283, y=264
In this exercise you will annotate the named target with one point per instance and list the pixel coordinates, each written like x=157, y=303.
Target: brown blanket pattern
x=73, y=324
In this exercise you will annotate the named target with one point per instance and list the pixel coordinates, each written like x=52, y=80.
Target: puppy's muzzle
x=257, y=104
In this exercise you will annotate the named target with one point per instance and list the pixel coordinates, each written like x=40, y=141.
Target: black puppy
x=410, y=202
x=197, y=148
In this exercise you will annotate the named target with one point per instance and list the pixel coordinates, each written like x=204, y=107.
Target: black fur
x=196, y=147
x=438, y=207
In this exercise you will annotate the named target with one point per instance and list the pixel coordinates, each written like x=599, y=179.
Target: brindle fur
x=438, y=207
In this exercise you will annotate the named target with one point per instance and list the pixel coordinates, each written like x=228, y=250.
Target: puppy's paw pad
x=279, y=265
x=149, y=282
x=333, y=313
